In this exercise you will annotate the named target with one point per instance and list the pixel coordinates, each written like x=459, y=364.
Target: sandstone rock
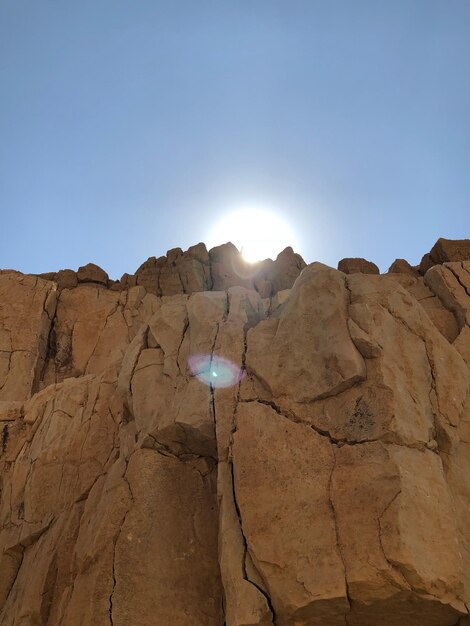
x=173, y=255
x=401, y=266
x=279, y=299
x=285, y=270
x=147, y=275
x=450, y=283
x=67, y=279
x=182, y=449
x=166, y=567
x=444, y=251
x=194, y=270
x=352, y=266
x=126, y=282
x=302, y=566
x=10, y=411
x=91, y=273
x=378, y=570
x=229, y=269
x=246, y=603
x=48, y=275
x=199, y=253
x=426, y=264
x=27, y=306
x=442, y=318
x=326, y=360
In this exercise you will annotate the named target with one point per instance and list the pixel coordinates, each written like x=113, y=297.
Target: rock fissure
x=48, y=342
x=323, y=433
x=18, y=568
x=459, y=279
x=321, y=539
x=431, y=366
x=392, y=563
x=115, y=542
x=337, y=533
x=246, y=549
x=185, y=330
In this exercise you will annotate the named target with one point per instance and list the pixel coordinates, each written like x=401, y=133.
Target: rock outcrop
x=357, y=265
x=207, y=443
x=444, y=251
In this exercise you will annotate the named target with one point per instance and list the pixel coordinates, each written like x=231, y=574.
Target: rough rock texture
x=401, y=266
x=352, y=266
x=325, y=483
x=219, y=269
x=445, y=250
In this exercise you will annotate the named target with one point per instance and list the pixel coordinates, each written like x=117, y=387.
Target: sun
x=258, y=233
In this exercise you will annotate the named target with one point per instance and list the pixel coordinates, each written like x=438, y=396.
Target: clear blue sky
x=129, y=127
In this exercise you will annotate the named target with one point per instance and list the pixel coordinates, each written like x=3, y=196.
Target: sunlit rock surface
x=207, y=443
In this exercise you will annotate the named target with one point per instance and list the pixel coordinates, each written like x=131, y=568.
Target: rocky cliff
x=207, y=443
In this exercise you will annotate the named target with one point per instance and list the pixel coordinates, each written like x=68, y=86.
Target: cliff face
x=198, y=445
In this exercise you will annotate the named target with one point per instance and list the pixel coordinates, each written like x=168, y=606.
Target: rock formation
x=207, y=443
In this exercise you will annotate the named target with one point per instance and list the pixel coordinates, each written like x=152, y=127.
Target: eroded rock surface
x=203, y=445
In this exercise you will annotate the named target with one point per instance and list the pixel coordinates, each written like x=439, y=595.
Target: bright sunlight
x=258, y=233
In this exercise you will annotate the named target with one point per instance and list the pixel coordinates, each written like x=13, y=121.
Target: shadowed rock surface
x=358, y=265
x=328, y=486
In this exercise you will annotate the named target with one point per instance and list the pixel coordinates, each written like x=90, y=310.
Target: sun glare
x=258, y=233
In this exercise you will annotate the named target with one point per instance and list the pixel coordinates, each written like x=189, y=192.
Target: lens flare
x=215, y=371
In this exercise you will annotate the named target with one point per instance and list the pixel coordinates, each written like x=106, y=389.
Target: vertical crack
x=337, y=533
x=115, y=541
x=5, y=437
x=21, y=549
x=41, y=367
x=185, y=329
x=176, y=266
x=394, y=566
x=459, y=280
x=245, y=550
x=211, y=386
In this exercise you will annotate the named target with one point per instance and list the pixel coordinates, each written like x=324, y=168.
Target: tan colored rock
x=367, y=346
x=444, y=281
x=326, y=360
x=92, y=329
x=229, y=269
x=445, y=250
x=426, y=264
x=10, y=411
x=244, y=311
x=250, y=456
x=442, y=318
x=401, y=266
x=352, y=266
x=462, y=344
x=67, y=279
x=45, y=275
x=391, y=491
x=285, y=270
x=279, y=299
x=300, y=561
x=199, y=253
x=166, y=566
x=92, y=273
x=27, y=306
x=405, y=542
x=197, y=270
x=126, y=282
x=246, y=603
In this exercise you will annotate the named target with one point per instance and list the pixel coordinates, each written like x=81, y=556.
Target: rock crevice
x=208, y=443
